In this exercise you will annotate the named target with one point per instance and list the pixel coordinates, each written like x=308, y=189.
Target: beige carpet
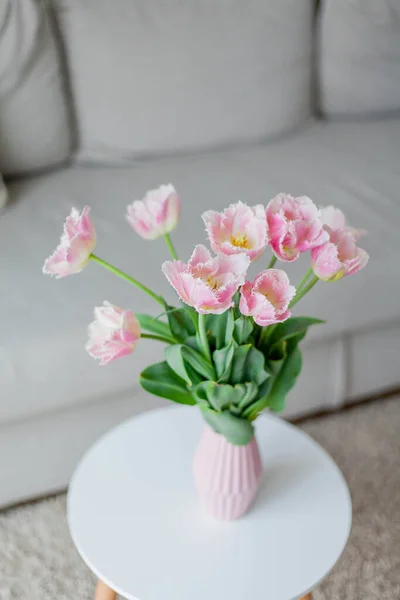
x=38, y=560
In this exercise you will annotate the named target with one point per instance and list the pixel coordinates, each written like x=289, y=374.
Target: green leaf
x=160, y=380
x=285, y=380
x=194, y=376
x=194, y=315
x=152, y=325
x=276, y=353
x=265, y=387
x=235, y=410
x=255, y=370
x=236, y=430
x=250, y=392
x=219, y=396
x=220, y=328
x=242, y=329
x=223, y=362
x=239, y=363
x=273, y=366
x=280, y=351
x=191, y=341
x=198, y=362
x=281, y=384
x=181, y=323
x=251, y=409
x=183, y=360
x=174, y=358
x=248, y=365
x=223, y=396
x=291, y=328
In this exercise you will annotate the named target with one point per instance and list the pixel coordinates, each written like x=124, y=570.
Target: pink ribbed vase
x=227, y=477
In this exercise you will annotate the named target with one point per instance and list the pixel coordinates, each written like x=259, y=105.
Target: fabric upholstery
x=359, y=57
x=3, y=192
x=369, y=372
x=34, y=118
x=155, y=77
x=43, y=365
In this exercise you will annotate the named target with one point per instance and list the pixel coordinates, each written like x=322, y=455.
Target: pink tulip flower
x=157, y=214
x=333, y=219
x=267, y=298
x=207, y=283
x=76, y=245
x=294, y=226
x=238, y=229
x=113, y=333
x=338, y=257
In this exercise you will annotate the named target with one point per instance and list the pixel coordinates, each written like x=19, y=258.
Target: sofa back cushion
x=154, y=77
x=34, y=124
x=359, y=56
x=3, y=192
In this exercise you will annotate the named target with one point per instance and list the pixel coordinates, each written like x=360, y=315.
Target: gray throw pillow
x=359, y=57
x=34, y=117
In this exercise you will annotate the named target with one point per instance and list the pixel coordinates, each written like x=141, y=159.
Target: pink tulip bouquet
x=232, y=346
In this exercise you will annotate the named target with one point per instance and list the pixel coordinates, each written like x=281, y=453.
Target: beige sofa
x=101, y=100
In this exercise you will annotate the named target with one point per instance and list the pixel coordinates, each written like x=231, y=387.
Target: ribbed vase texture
x=227, y=477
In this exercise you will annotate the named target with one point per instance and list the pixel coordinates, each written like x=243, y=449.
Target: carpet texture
x=39, y=562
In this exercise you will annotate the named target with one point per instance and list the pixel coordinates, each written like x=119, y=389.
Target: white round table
x=135, y=519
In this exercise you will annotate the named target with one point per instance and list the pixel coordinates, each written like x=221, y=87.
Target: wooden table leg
x=103, y=592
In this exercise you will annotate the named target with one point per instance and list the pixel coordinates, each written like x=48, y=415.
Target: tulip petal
x=207, y=283
x=267, y=298
x=239, y=229
x=294, y=226
x=156, y=214
x=76, y=245
x=113, y=334
x=338, y=257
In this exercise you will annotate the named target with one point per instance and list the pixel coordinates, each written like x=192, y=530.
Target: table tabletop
x=136, y=521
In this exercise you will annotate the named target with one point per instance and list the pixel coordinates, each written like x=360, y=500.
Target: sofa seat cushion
x=43, y=364
x=154, y=77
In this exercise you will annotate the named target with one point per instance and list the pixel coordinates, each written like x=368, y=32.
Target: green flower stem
x=264, y=335
x=158, y=338
x=203, y=337
x=171, y=247
x=305, y=279
x=272, y=262
x=128, y=278
x=303, y=292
